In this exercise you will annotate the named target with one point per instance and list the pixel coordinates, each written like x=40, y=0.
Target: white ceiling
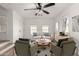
x=19, y=7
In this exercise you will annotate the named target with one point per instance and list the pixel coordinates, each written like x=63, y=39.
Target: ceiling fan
x=40, y=7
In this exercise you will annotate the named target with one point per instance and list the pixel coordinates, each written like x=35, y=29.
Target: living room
x=18, y=23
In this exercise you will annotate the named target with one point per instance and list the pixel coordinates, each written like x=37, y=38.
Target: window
x=45, y=28
x=67, y=27
x=33, y=29
x=56, y=26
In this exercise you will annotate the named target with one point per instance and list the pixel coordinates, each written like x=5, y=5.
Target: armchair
x=65, y=48
x=24, y=48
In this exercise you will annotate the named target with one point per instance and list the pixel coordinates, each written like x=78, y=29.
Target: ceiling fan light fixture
x=38, y=14
x=40, y=8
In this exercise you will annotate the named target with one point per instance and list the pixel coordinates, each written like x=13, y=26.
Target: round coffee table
x=43, y=42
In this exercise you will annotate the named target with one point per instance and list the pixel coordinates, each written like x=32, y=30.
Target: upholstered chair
x=63, y=48
x=24, y=47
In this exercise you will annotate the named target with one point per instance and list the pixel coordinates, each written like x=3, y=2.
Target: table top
x=58, y=37
x=39, y=37
x=43, y=41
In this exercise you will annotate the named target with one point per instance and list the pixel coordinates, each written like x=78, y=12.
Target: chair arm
x=53, y=43
x=55, y=49
x=33, y=49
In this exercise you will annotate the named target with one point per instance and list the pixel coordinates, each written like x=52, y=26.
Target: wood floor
x=6, y=48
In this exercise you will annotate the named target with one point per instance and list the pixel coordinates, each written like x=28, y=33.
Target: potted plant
x=61, y=33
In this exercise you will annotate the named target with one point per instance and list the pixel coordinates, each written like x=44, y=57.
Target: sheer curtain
x=75, y=23
x=62, y=25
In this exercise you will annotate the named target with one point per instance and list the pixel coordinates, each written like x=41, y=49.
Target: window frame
x=44, y=30
x=32, y=29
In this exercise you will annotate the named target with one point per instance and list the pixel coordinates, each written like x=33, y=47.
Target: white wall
x=17, y=26
x=10, y=25
x=8, y=17
x=39, y=21
x=2, y=35
x=69, y=13
x=14, y=24
x=2, y=28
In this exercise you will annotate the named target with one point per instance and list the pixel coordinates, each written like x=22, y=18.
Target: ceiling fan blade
x=48, y=5
x=39, y=4
x=45, y=11
x=31, y=9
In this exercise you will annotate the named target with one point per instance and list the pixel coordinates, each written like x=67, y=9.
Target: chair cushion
x=35, y=34
x=46, y=34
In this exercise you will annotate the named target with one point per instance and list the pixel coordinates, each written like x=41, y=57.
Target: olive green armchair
x=23, y=48
x=66, y=48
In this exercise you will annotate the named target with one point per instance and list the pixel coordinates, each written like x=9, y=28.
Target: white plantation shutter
x=45, y=28
x=33, y=29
